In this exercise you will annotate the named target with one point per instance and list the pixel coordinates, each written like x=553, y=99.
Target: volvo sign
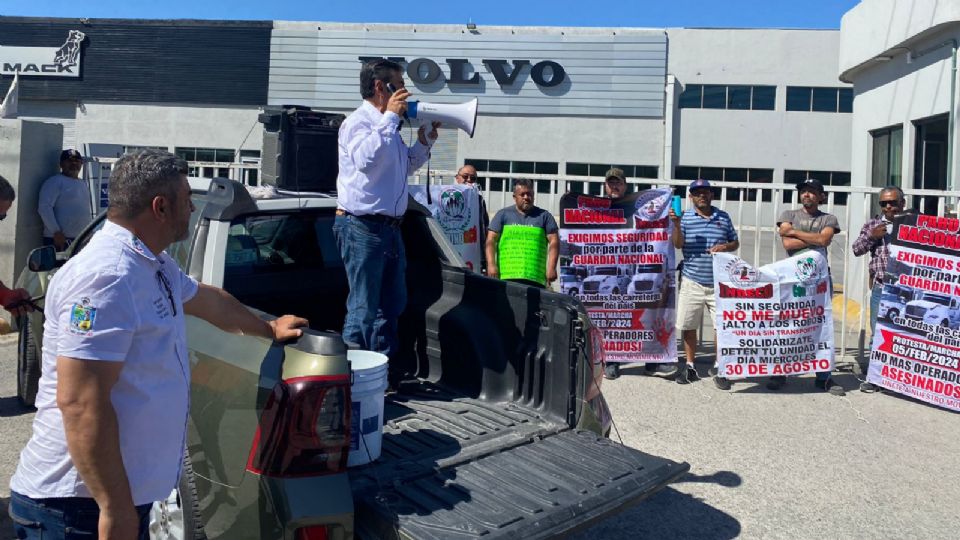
x=545, y=73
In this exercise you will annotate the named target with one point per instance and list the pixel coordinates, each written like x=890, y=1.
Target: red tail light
x=315, y=532
x=599, y=358
x=304, y=428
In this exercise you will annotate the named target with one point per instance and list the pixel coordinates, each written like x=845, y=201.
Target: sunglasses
x=468, y=176
x=884, y=204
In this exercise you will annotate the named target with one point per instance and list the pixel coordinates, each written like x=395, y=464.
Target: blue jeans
x=875, y=295
x=68, y=518
x=375, y=262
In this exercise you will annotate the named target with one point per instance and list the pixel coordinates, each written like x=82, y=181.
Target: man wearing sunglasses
x=16, y=301
x=875, y=239
x=467, y=175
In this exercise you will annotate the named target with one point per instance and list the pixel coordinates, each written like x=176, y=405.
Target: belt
x=376, y=218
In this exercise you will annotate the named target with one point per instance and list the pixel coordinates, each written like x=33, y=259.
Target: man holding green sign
x=523, y=241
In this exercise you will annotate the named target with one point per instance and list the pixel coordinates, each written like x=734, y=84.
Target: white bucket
x=369, y=370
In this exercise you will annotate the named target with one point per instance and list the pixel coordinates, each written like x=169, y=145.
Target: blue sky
x=641, y=13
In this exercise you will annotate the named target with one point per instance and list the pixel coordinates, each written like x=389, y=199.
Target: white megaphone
x=461, y=115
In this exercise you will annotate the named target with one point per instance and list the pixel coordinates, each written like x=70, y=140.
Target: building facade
x=735, y=105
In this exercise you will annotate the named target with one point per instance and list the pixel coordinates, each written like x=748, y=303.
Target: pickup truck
x=498, y=428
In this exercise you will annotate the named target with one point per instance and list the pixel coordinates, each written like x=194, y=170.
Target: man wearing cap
x=699, y=233
x=615, y=187
x=808, y=229
x=64, y=203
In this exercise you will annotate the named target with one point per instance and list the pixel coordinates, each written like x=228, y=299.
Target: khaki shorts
x=692, y=299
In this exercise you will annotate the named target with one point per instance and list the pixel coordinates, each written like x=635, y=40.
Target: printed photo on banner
x=457, y=209
x=617, y=258
x=775, y=320
x=916, y=345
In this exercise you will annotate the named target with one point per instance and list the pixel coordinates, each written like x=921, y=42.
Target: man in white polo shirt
x=108, y=437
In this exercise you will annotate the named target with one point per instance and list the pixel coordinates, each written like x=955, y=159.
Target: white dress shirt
x=64, y=205
x=110, y=304
x=374, y=163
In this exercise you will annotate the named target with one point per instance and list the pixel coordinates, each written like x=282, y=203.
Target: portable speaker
x=299, y=151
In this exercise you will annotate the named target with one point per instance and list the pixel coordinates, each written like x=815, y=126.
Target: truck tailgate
x=540, y=489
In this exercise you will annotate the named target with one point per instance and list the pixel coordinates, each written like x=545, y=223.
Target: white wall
x=877, y=26
x=168, y=126
x=775, y=139
x=629, y=141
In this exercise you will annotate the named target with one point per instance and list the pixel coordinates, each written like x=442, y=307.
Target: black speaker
x=299, y=150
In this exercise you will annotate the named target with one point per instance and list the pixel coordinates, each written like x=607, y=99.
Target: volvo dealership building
x=738, y=105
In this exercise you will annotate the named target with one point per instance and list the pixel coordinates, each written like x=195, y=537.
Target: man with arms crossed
x=108, y=437
x=808, y=229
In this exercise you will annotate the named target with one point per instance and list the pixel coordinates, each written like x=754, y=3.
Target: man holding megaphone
x=371, y=200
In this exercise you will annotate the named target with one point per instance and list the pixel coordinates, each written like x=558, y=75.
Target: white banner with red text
x=773, y=320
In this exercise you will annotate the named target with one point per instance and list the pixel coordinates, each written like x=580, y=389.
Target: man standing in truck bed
x=371, y=200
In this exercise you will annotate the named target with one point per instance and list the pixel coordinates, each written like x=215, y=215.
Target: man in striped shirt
x=699, y=233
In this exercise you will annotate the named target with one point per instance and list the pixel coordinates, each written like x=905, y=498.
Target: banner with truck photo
x=617, y=258
x=457, y=209
x=916, y=344
x=773, y=320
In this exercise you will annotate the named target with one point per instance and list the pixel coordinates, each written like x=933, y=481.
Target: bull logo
x=69, y=53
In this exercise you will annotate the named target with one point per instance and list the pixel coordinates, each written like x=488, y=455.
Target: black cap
x=810, y=184
x=70, y=154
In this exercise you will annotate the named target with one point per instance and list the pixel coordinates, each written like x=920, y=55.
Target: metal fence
x=753, y=207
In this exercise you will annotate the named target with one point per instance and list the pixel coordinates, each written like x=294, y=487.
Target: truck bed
x=456, y=467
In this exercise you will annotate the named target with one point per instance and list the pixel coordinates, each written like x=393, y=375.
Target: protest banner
x=617, y=258
x=916, y=344
x=457, y=209
x=773, y=320
x=522, y=253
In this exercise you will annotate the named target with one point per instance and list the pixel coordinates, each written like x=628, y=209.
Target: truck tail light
x=304, y=428
x=599, y=358
x=314, y=532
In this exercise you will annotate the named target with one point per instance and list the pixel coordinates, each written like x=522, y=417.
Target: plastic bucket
x=369, y=371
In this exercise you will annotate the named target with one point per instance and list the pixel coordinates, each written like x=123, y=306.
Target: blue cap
x=696, y=184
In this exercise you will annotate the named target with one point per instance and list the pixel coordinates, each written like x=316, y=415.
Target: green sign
x=522, y=253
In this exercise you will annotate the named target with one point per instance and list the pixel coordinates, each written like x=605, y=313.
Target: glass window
x=735, y=175
x=223, y=156
x=822, y=176
x=479, y=164
x=542, y=186
x=845, y=104
x=577, y=169
x=498, y=166
x=825, y=99
x=598, y=169
x=186, y=154
x=738, y=97
x=714, y=96
x=692, y=97
x=840, y=179
x=887, y=155
x=686, y=173
x=764, y=98
x=546, y=168
x=206, y=154
x=523, y=167
x=794, y=177
x=798, y=98
x=646, y=171
x=711, y=173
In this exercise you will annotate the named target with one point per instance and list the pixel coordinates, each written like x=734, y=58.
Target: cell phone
x=391, y=88
x=32, y=302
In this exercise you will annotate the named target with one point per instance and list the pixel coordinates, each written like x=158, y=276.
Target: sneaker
x=686, y=374
x=611, y=371
x=868, y=388
x=712, y=371
x=830, y=386
x=776, y=383
x=722, y=383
